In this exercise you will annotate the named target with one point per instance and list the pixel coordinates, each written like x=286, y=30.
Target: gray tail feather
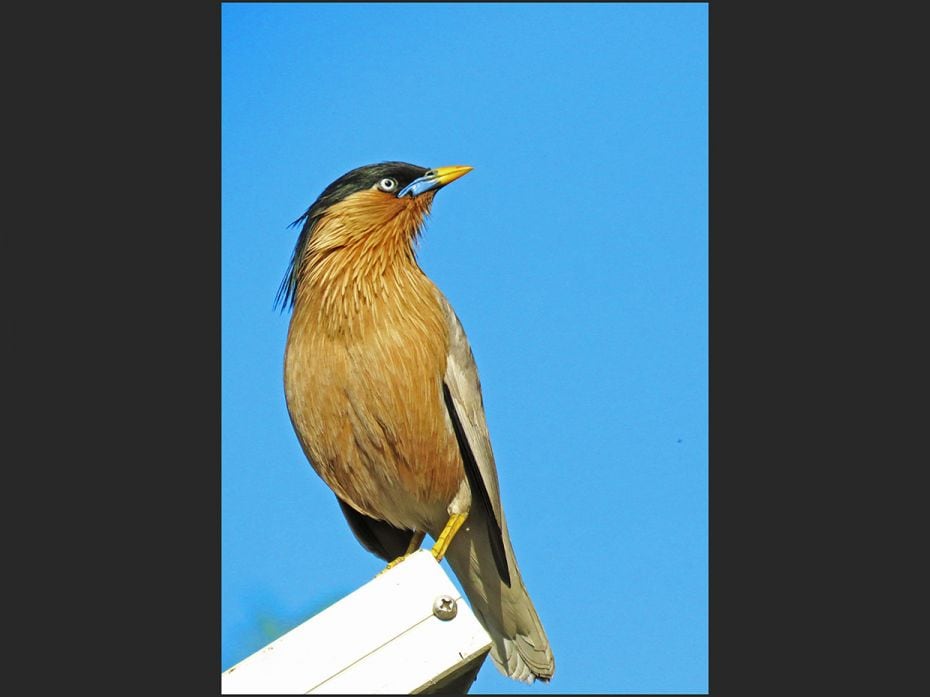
x=520, y=648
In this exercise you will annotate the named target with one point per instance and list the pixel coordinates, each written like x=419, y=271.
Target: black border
x=112, y=331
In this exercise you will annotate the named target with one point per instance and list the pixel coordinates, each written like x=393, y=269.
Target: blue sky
x=575, y=255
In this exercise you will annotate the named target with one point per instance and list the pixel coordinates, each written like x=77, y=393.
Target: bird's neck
x=349, y=281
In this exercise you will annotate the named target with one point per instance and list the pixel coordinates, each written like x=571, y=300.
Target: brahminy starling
x=383, y=393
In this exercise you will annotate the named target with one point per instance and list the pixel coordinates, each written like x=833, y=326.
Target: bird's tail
x=520, y=648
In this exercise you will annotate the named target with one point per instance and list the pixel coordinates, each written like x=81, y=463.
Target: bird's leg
x=415, y=541
x=445, y=537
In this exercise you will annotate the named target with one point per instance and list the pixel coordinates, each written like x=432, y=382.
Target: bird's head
x=375, y=206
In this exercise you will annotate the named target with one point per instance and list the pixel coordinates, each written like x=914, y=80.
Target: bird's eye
x=387, y=184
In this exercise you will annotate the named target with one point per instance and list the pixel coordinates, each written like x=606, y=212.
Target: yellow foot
x=394, y=563
x=415, y=541
x=448, y=532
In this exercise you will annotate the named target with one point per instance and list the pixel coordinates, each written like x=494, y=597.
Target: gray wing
x=462, y=393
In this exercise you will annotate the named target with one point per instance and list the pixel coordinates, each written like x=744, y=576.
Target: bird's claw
x=394, y=563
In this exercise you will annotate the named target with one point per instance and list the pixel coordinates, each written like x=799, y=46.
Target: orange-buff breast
x=364, y=363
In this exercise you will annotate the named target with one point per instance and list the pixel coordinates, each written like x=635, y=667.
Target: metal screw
x=444, y=607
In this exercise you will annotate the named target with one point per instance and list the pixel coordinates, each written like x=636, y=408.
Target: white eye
x=387, y=184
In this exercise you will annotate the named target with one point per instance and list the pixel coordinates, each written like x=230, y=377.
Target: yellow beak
x=445, y=175
x=434, y=179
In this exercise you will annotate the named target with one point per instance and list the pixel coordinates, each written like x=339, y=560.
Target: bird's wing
x=378, y=537
x=462, y=394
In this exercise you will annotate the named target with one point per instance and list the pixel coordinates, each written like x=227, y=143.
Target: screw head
x=444, y=607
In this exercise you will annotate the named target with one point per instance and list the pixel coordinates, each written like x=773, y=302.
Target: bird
x=383, y=393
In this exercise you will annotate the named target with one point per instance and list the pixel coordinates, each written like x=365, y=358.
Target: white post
x=407, y=631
